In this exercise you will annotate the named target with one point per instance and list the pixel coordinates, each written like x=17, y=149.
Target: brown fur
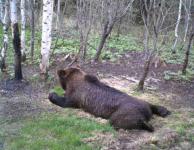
x=87, y=92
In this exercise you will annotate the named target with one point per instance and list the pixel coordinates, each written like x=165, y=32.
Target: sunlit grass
x=56, y=132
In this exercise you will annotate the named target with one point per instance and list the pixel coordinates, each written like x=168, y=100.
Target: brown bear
x=87, y=92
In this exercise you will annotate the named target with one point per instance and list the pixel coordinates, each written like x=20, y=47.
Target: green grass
x=169, y=75
x=56, y=132
x=58, y=90
x=113, y=48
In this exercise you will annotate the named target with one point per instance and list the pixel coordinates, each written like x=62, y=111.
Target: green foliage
x=56, y=132
x=114, y=46
x=66, y=45
x=169, y=75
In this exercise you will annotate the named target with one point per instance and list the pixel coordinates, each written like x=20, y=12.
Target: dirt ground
x=29, y=98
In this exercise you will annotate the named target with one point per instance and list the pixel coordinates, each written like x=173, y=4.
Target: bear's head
x=69, y=74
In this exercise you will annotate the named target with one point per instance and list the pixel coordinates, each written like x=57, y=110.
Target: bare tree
x=154, y=14
x=187, y=52
x=177, y=26
x=112, y=11
x=85, y=11
x=187, y=6
x=46, y=37
x=16, y=39
x=5, y=22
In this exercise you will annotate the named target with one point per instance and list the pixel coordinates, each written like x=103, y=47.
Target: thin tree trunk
x=176, y=28
x=107, y=30
x=186, y=60
x=5, y=38
x=145, y=74
x=32, y=30
x=16, y=40
x=165, y=37
x=58, y=14
x=46, y=37
x=187, y=20
x=119, y=28
x=23, y=29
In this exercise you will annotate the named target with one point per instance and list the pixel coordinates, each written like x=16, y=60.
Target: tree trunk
x=145, y=74
x=187, y=17
x=119, y=28
x=23, y=30
x=16, y=40
x=58, y=14
x=176, y=28
x=46, y=37
x=5, y=22
x=186, y=60
x=1, y=11
x=32, y=30
x=106, y=31
x=165, y=37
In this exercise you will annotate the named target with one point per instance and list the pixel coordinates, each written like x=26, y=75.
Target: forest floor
x=27, y=101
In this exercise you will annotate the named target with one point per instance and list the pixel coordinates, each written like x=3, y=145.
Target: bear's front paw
x=52, y=97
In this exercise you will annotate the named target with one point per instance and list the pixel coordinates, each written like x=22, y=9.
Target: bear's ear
x=61, y=73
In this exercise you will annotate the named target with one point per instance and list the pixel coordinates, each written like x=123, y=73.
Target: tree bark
x=16, y=40
x=32, y=30
x=58, y=14
x=176, y=28
x=187, y=18
x=106, y=31
x=145, y=74
x=186, y=60
x=1, y=10
x=5, y=22
x=23, y=30
x=46, y=37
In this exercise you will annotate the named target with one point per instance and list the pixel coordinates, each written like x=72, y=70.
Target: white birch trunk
x=23, y=26
x=5, y=22
x=1, y=13
x=1, y=10
x=16, y=39
x=46, y=36
x=177, y=26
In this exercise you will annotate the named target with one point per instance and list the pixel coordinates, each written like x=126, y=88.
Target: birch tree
x=187, y=6
x=2, y=2
x=46, y=37
x=5, y=22
x=23, y=30
x=176, y=28
x=16, y=39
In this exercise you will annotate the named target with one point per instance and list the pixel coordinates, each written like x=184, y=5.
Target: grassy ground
x=67, y=129
x=56, y=131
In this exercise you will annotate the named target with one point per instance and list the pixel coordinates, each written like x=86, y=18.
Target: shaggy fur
x=87, y=92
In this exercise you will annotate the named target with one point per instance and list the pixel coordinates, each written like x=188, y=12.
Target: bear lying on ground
x=87, y=92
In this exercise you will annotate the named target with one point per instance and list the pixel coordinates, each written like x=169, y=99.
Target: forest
x=143, y=48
